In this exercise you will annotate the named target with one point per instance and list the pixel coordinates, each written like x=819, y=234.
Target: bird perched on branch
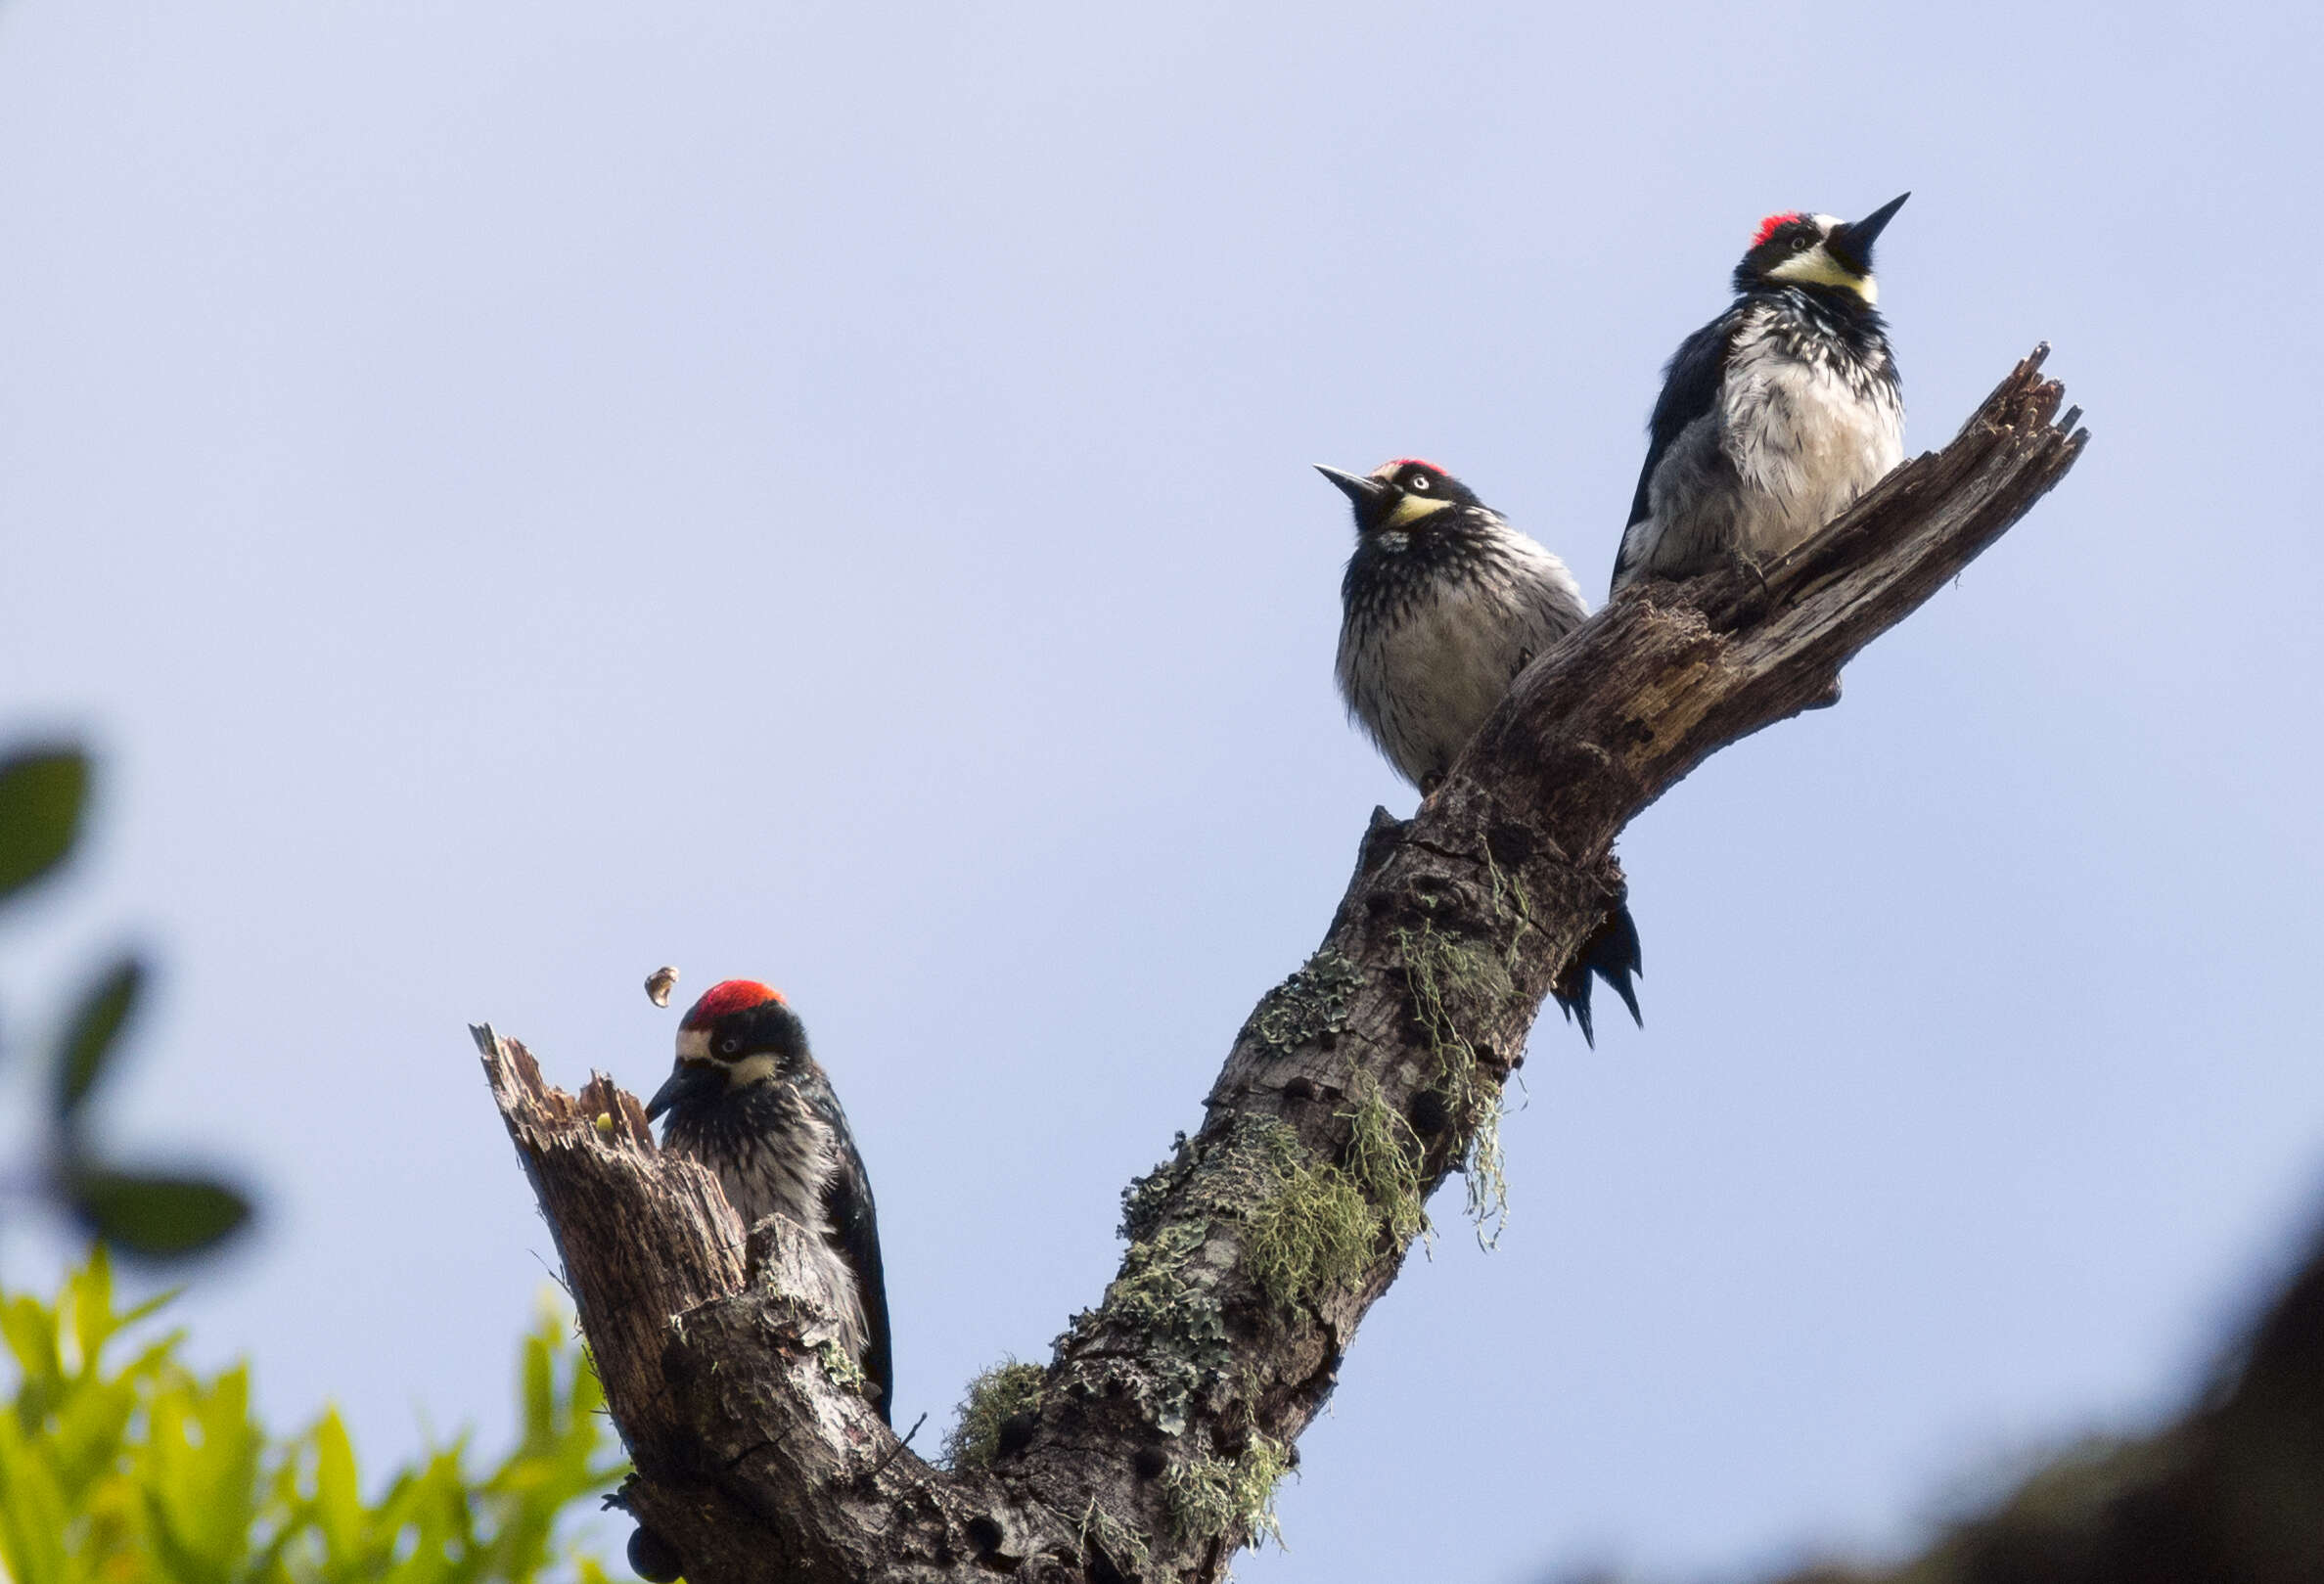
x=1776, y=415
x=1443, y=604
x=747, y=1100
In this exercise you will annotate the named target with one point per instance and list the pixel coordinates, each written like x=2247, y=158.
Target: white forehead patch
x=694, y=1044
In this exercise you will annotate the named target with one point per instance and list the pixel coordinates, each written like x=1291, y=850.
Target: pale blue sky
x=522, y=493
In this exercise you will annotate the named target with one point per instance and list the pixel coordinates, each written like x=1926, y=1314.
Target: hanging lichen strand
x=1455, y=984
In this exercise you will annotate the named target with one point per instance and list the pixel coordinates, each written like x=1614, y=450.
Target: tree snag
x=1149, y=1446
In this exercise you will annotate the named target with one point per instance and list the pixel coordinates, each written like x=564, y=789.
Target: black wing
x=1690, y=389
x=855, y=1231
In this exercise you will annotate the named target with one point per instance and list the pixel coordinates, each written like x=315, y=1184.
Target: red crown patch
x=1413, y=462
x=1767, y=227
x=732, y=996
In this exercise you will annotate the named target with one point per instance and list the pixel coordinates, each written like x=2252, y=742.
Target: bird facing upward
x=1776, y=415
x=747, y=1100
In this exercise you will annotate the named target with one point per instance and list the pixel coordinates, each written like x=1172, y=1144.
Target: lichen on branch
x=1213, y=1498
x=1456, y=983
x=998, y=1404
x=1313, y=1231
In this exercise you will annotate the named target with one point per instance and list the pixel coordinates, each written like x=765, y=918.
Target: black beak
x=1851, y=244
x=688, y=1084
x=1365, y=492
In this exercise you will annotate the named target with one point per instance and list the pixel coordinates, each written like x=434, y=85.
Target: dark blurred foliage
x=157, y=1215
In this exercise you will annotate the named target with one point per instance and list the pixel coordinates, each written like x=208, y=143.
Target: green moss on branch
x=1456, y=984
x=1383, y=1157
x=1313, y=1232
x=1213, y=1498
x=997, y=1395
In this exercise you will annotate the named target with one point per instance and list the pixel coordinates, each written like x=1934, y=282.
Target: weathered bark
x=1358, y=1085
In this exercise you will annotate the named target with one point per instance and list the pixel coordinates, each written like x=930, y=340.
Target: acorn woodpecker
x=1443, y=604
x=1776, y=415
x=747, y=1100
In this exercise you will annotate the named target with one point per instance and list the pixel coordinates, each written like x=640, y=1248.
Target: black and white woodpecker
x=1776, y=415
x=747, y=1100
x=1443, y=604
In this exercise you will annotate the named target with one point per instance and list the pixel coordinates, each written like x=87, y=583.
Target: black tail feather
x=1614, y=955
x=1576, y=1007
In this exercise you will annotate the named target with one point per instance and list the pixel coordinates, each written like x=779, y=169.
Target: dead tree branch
x=1150, y=1447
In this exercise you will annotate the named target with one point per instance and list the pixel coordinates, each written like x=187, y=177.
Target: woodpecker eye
x=1419, y=480
x=729, y=1046
x=1802, y=243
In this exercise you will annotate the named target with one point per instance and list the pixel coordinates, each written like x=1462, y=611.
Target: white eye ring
x=729, y=1045
x=1420, y=481
x=1799, y=243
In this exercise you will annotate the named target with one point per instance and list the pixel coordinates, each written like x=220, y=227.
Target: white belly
x=1790, y=446
x=1424, y=686
x=1803, y=445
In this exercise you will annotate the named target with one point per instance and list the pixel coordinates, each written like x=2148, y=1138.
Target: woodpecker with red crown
x=747, y=1100
x=1776, y=415
x=1443, y=604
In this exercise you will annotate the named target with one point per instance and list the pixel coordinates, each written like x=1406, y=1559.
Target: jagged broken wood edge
x=717, y=1352
x=1195, y=1376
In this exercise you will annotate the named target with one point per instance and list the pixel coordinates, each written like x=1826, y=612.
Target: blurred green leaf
x=158, y=1216
x=42, y=792
x=33, y=1514
x=339, y=1497
x=95, y=1029
x=88, y=1300
x=31, y=1327
x=204, y=1454
x=537, y=1368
